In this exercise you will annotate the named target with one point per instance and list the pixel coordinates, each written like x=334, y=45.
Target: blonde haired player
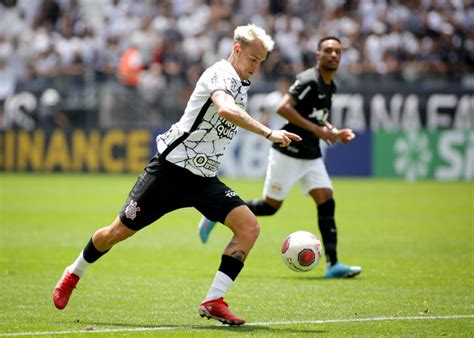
x=183, y=173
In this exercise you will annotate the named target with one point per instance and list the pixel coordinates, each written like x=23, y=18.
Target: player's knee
x=255, y=230
x=251, y=231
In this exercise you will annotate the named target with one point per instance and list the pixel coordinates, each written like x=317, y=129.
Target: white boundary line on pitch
x=289, y=322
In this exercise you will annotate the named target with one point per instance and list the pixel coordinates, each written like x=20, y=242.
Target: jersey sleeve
x=300, y=89
x=225, y=81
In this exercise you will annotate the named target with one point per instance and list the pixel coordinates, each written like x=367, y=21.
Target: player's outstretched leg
x=340, y=270
x=64, y=288
x=218, y=309
x=205, y=227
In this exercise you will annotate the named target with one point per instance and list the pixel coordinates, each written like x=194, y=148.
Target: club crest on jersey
x=131, y=210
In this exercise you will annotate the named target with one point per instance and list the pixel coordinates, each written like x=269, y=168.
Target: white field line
x=184, y=327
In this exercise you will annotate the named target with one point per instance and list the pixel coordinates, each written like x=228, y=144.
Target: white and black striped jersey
x=198, y=140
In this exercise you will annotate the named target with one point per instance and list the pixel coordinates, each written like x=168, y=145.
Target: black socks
x=230, y=266
x=261, y=208
x=91, y=254
x=327, y=227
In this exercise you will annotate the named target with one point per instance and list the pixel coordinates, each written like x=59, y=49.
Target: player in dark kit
x=188, y=156
x=306, y=107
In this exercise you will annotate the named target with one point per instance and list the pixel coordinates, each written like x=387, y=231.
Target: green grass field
x=414, y=241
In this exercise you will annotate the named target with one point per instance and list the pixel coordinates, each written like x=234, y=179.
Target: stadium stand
x=76, y=46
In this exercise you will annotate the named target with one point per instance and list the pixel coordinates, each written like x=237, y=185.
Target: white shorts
x=283, y=171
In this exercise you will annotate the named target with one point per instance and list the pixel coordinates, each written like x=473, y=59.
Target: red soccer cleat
x=64, y=288
x=218, y=309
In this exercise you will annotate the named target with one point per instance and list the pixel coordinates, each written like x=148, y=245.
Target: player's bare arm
x=227, y=109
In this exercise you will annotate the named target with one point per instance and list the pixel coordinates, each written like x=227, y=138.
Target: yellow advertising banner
x=112, y=151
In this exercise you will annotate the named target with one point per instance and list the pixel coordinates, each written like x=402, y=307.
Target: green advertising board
x=423, y=154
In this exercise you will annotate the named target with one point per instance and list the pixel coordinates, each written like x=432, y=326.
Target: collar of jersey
x=243, y=82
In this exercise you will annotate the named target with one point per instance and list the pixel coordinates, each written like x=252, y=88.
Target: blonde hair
x=250, y=33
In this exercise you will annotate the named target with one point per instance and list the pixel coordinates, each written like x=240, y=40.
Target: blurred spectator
x=130, y=67
x=151, y=83
x=79, y=43
x=7, y=75
x=382, y=31
x=49, y=113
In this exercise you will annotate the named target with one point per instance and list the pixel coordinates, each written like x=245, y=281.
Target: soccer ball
x=301, y=251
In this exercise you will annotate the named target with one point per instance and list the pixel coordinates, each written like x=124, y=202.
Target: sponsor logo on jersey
x=292, y=149
x=276, y=187
x=212, y=165
x=201, y=160
x=321, y=115
x=131, y=210
x=226, y=128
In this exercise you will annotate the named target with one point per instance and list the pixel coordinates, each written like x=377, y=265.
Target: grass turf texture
x=414, y=241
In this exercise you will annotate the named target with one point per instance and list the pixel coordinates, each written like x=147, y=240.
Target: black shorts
x=163, y=187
